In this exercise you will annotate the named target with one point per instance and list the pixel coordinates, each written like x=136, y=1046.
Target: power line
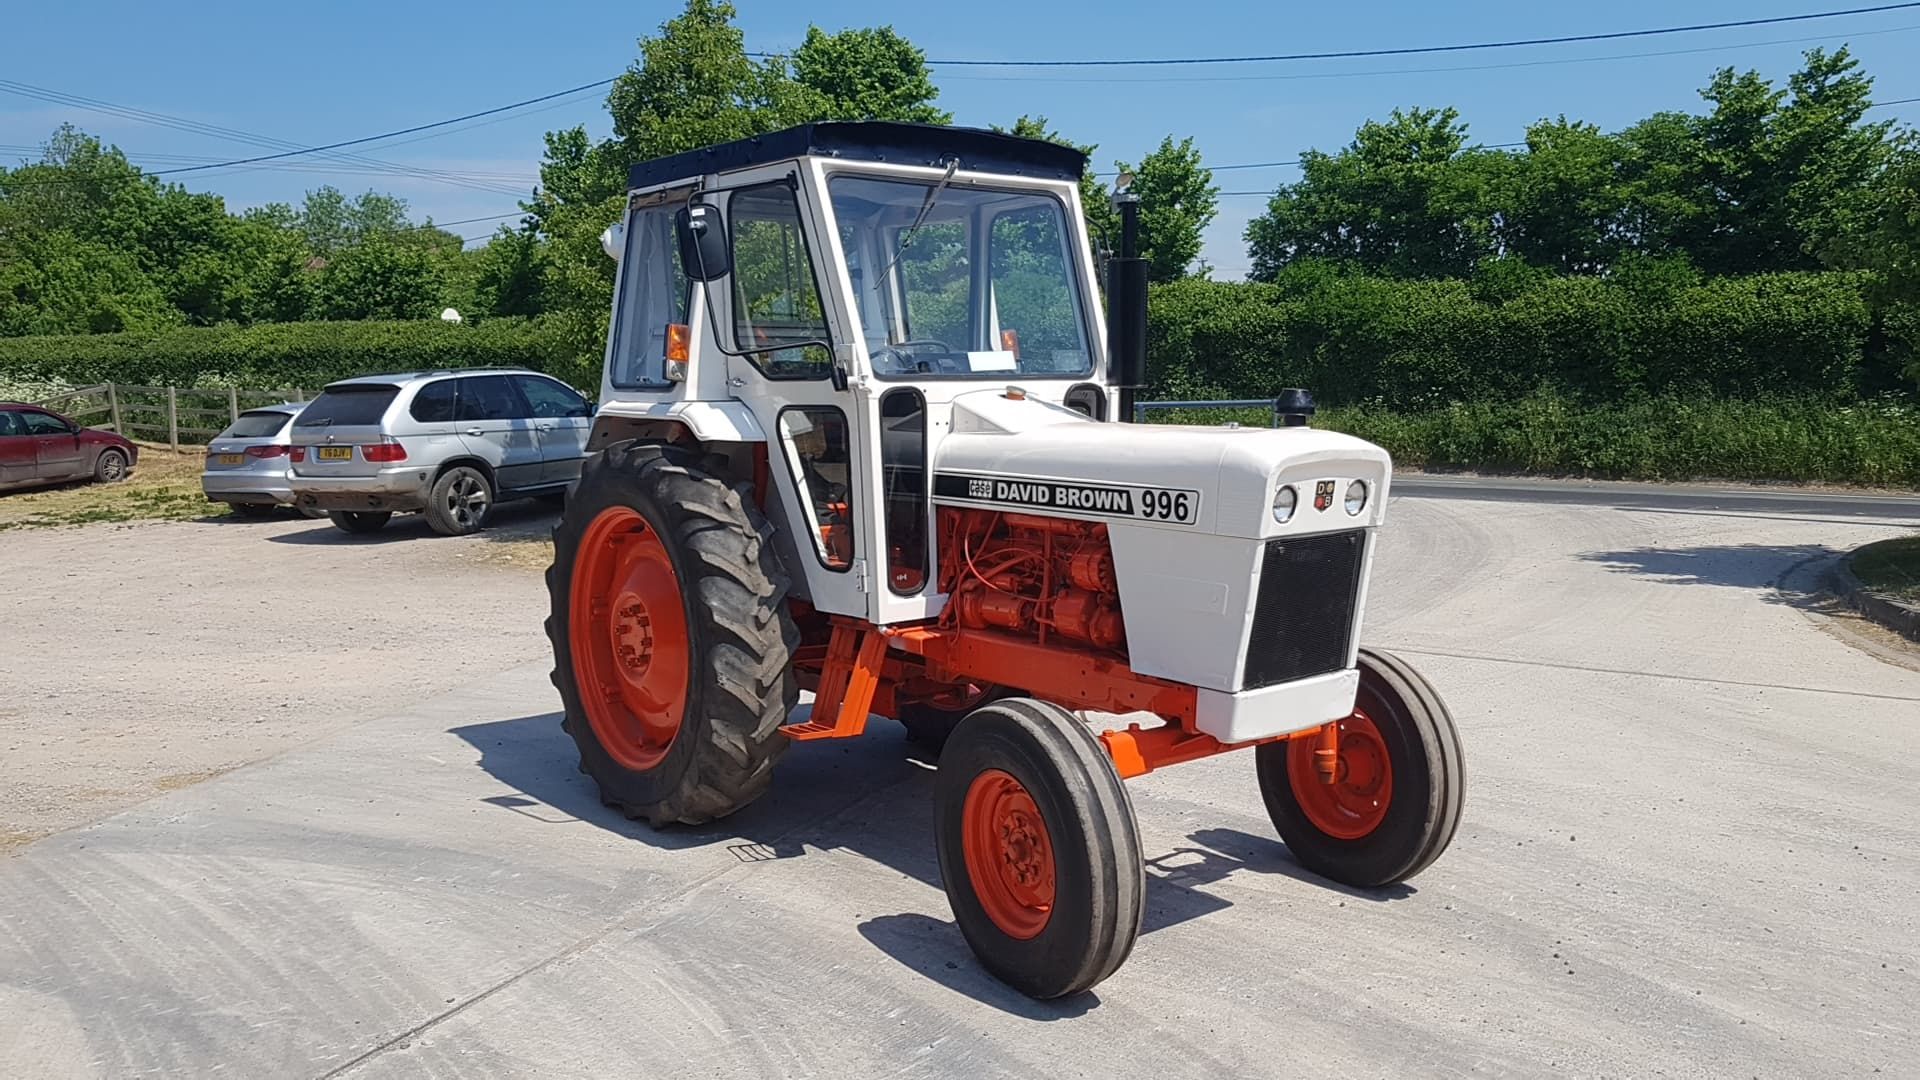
x=411, y=130
x=1345, y=54
x=1369, y=73
x=230, y=134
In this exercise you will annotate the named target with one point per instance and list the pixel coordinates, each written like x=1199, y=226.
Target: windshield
x=984, y=286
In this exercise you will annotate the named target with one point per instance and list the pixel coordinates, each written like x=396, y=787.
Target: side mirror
x=704, y=254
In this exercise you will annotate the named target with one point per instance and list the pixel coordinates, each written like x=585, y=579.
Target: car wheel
x=111, y=466
x=459, y=502
x=359, y=521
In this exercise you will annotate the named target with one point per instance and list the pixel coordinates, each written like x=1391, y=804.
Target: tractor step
x=847, y=685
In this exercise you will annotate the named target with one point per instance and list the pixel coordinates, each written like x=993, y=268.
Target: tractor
x=864, y=430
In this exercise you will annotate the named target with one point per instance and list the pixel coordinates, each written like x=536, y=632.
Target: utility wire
x=1296, y=76
x=1342, y=54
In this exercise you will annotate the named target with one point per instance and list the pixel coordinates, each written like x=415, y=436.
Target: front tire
x=459, y=501
x=111, y=466
x=673, y=648
x=359, y=522
x=1396, y=799
x=1038, y=847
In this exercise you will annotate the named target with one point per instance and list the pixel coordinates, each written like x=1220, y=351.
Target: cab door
x=792, y=346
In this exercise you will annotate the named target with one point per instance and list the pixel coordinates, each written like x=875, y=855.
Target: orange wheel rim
x=627, y=628
x=1356, y=802
x=1008, y=853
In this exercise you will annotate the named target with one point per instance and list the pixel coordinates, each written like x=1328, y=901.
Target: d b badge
x=1323, y=495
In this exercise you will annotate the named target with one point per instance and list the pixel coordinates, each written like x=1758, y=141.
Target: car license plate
x=336, y=453
x=232, y=459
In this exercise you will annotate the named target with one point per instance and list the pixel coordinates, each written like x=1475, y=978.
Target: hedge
x=1422, y=344
x=305, y=354
x=1663, y=438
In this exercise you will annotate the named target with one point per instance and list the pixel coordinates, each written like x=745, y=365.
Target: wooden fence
x=163, y=413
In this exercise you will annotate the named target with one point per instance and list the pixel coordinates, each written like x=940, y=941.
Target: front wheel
x=1038, y=848
x=1395, y=798
x=111, y=468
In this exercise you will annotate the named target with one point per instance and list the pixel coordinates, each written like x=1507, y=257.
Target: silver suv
x=448, y=443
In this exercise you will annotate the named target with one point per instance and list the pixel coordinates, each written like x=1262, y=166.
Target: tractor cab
x=827, y=293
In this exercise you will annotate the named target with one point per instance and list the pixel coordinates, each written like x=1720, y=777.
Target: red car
x=41, y=447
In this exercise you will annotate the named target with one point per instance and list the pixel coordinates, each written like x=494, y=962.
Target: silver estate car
x=449, y=444
x=247, y=463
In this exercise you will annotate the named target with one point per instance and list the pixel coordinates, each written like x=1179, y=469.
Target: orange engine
x=1038, y=577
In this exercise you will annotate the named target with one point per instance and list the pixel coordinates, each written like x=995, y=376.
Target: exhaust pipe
x=1127, y=304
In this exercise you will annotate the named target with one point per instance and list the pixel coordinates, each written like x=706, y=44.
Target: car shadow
x=872, y=797
x=522, y=519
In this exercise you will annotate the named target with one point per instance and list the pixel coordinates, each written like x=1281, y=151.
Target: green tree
x=871, y=74
x=1178, y=200
x=1399, y=200
x=1562, y=204
x=379, y=278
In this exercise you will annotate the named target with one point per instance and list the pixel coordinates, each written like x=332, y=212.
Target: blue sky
x=316, y=73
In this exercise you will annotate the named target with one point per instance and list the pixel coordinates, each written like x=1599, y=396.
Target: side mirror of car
x=704, y=254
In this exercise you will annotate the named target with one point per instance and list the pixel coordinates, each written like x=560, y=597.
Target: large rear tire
x=673, y=648
x=1395, y=801
x=1038, y=847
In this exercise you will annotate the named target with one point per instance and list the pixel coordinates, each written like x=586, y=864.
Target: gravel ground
x=144, y=658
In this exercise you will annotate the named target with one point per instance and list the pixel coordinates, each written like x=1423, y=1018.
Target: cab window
x=815, y=440
x=653, y=294
x=778, y=320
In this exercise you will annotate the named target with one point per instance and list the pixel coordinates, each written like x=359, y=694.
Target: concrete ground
x=1691, y=848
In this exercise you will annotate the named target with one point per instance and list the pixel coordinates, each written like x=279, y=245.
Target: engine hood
x=1031, y=456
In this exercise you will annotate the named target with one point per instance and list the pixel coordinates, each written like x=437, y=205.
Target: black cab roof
x=976, y=149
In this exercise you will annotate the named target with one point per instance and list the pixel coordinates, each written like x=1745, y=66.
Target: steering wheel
x=904, y=362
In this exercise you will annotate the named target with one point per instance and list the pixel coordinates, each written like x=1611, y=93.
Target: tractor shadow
x=871, y=797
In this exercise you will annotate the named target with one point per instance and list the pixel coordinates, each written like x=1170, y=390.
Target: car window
x=39, y=423
x=488, y=397
x=550, y=398
x=434, y=403
x=10, y=423
x=355, y=404
x=263, y=424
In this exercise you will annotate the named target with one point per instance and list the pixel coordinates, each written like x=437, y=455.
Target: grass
x=165, y=486
x=1891, y=567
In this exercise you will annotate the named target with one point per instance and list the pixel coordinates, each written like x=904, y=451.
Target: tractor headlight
x=1284, y=501
x=1356, y=497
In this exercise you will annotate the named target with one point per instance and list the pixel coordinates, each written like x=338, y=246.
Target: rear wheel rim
x=1009, y=854
x=1356, y=802
x=628, y=636
x=467, y=500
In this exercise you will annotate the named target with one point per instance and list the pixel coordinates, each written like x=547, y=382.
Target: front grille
x=1303, y=615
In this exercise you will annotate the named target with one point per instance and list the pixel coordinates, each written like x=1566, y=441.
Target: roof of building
x=977, y=150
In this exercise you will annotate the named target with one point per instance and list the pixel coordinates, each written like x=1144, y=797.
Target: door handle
x=543, y=427
x=475, y=431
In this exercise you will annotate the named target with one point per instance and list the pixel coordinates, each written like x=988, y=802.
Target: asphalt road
x=1691, y=848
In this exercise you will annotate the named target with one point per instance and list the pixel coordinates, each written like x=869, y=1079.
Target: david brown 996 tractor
x=861, y=432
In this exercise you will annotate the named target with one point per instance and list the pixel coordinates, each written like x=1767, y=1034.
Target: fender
x=702, y=421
